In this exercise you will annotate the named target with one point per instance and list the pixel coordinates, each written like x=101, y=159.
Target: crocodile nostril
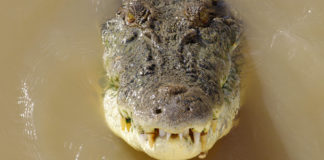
x=158, y=111
x=188, y=109
x=172, y=89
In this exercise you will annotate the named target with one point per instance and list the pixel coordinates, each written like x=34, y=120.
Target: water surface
x=50, y=99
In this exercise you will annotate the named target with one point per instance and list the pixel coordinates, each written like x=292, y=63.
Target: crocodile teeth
x=151, y=139
x=143, y=137
x=203, y=140
x=123, y=123
x=196, y=137
x=128, y=126
x=180, y=136
x=202, y=155
x=161, y=133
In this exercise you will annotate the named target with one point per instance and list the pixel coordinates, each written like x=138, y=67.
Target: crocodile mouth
x=161, y=144
x=191, y=137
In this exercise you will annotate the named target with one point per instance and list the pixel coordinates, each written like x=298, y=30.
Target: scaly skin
x=172, y=75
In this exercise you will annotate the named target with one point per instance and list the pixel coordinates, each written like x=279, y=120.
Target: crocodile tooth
x=168, y=135
x=128, y=125
x=202, y=155
x=180, y=136
x=161, y=133
x=196, y=137
x=151, y=139
x=123, y=123
x=203, y=140
x=143, y=137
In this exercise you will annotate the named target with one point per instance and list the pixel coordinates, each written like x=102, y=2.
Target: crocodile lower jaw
x=160, y=144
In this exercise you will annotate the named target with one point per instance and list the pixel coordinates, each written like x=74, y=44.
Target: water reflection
x=27, y=105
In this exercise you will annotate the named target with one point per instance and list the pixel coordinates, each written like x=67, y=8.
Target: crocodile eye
x=198, y=13
x=136, y=13
x=130, y=18
x=204, y=16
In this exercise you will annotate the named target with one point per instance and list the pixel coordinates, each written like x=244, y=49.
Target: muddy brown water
x=50, y=99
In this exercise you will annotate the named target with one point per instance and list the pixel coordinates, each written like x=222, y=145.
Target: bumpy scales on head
x=172, y=72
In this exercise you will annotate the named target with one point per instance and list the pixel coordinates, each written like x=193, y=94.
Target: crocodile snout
x=175, y=108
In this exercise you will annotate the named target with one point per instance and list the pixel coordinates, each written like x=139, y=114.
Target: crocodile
x=172, y=81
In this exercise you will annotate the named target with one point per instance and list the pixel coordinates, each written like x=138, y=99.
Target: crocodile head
x=172, y=78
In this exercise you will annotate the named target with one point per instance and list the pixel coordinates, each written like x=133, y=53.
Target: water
x=50, y=64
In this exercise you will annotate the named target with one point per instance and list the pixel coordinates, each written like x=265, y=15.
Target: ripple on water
x=30, y=131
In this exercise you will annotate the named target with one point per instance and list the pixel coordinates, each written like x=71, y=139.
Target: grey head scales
x=173, y=63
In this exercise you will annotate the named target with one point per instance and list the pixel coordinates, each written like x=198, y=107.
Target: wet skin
x=174, y=65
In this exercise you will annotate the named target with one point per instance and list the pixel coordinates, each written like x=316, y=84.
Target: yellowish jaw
x=161, y=144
